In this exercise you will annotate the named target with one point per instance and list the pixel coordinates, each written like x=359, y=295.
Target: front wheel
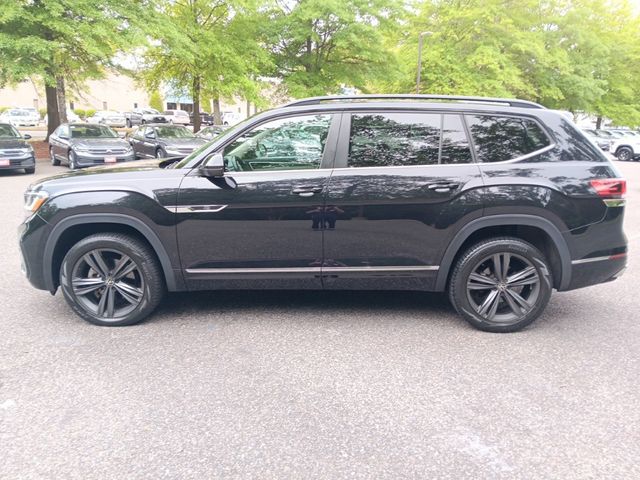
x=160, y=153
x=111, y=279
x=501, y=284
x=72, y=160
x=624, y=154
x=54, y=161
x=30, y=170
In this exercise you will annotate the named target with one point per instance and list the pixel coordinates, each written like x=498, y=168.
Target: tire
x=30, y=170
x=142, y=122
x=500, y=309
x=624, y=154
x=71, y=155
x=54, y=161
x=160, y=153
x=106, y=299
x=128, y=123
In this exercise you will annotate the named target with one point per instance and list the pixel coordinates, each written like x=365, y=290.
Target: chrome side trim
x=417, y=268
x=589, y=260
x=195, y=208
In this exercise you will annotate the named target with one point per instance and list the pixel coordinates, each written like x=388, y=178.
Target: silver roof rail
x=512, y=102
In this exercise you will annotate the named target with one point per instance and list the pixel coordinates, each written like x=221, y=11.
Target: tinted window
x=394, y=139
x=498, y=139
x=455, y=144
x=290, y=143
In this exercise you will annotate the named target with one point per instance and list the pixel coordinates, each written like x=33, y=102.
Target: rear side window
x=498, y=139
x=405, y=139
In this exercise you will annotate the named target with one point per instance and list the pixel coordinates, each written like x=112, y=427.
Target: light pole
x=420, y=41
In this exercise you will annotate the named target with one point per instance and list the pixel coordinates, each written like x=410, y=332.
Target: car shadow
x=342, y=301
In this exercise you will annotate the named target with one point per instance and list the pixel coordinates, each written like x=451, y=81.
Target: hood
x=12, y=143
x=100, y=142
x=194, y=142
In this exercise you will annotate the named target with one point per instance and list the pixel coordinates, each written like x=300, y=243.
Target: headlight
x=33, y=200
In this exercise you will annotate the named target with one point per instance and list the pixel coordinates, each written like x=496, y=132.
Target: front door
x=403, y=182
x=259, y=227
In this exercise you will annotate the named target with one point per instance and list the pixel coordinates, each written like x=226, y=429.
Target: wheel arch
x=526, y=227
x=72, y=229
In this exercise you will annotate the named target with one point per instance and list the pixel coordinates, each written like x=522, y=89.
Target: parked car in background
x=162, y=141
x=20, y=117
x=209, y=133
x=140, y=116
x=626, y=148
x=178, y=117
x=499, y=203
x=15, y=152
x=602, y=141
x=205, y=118
x=231, y=118
x=87, y=144
x=108, y=117
x=72, y=117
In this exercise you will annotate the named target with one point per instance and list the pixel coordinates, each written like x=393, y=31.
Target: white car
x=20, y=117
x=626, y=148
x=230, y=118
x=179, y=117
x=72, y=117
x=108, y=117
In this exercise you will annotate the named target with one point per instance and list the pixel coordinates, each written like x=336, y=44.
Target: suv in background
x=179, y=117
x=626, y=147
x=495, y=201
x=140, y=116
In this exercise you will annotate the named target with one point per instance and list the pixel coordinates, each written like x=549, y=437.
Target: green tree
x=209, y=49
x=319, y=46
x=67, y=42
x=156, y=101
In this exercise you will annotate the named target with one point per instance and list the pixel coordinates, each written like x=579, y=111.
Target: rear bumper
x=596, y=270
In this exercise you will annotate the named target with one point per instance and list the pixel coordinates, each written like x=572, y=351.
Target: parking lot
x=317, y=385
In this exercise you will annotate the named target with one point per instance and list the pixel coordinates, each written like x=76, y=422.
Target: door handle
x=307, y=190
x=443, y=187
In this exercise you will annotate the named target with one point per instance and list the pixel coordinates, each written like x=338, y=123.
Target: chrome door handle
x=442, y=187
x=307, y=190
x=306, y=194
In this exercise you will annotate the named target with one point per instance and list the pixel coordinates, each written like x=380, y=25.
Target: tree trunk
x=53, y=119
x=61, y=100
x=217, y=118
x=598, y=122
x=248, y=108
x=196, y=104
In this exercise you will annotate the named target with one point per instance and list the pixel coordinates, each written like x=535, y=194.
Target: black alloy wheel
x=501, y=285
x=111, y=279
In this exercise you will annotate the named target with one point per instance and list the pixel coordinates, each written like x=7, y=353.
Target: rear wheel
x=111, y=279
x=501, y=284
x=624, y=154
x=54, y=161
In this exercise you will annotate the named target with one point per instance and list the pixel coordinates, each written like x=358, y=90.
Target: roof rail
x=452, y=98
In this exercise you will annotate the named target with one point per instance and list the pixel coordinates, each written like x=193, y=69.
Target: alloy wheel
x=107, y=283
x=503, y=288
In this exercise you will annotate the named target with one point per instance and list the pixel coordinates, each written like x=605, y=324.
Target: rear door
x=404, y=182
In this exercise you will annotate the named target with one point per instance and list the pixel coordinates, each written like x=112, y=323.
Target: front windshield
x=7, y=131
x=19, y=113
x=173, y=132
x=92, y=131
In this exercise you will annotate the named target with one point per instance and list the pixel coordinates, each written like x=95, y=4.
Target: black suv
x=495, y=201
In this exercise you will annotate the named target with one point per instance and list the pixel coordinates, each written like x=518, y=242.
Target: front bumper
x=88, y=160
x=32, y=236
x=19, y=162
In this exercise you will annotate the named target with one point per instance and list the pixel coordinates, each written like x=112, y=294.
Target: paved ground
x=303, y=385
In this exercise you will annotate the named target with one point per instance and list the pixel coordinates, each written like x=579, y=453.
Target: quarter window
x=292, y=143
x=404, y=139
x=498, y=139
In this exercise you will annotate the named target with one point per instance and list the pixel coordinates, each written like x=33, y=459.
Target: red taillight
x=610, y=187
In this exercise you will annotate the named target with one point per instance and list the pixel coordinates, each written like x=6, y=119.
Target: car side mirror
x=26, y=136
x=213, y=167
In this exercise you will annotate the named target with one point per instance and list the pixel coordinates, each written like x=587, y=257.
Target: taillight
x=610, y=187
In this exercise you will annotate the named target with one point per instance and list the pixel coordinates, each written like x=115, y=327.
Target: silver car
x=108, y=117
x=87, y=144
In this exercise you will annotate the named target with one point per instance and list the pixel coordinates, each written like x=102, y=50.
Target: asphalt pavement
x=310, y=385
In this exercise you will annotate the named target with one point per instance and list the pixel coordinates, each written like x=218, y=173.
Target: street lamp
x=420, y=41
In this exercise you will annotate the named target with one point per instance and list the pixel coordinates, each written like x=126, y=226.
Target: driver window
x=292, y=143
